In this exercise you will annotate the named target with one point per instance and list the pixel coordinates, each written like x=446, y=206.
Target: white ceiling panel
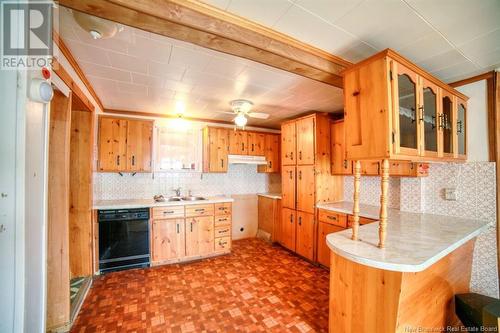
x=127, y=63
x=427, y=46
x=442, y=60
x=330, y=10
x=460, y=20
x=261, y=11
x=104, y=72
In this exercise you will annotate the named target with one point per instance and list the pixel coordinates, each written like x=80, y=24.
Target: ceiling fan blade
x=259, y=115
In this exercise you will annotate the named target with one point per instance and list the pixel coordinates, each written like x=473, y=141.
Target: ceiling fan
x=242, y=108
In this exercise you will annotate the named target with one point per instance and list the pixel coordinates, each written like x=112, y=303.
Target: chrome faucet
x=177, y=191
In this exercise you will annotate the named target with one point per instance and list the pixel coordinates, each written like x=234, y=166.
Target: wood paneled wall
x=58, y=275
x=80, y=210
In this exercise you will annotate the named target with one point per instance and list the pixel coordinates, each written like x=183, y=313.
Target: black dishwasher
x=123, y=239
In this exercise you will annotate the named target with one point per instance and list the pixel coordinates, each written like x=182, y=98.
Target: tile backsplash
x=240, y=179
x=475, y=189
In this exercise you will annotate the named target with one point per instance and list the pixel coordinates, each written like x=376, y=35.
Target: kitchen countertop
x=414, y=241
x=270, y=195
x=142, y=203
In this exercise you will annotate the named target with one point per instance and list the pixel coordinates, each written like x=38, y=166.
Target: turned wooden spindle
x=384, y=185
x=355, y=209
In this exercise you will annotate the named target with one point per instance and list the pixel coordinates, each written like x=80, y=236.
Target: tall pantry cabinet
x=306, y=180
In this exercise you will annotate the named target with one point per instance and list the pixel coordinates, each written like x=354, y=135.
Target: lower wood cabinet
x=197, y=231
x=288, y=221
x=199, y=235
x=168, y=241
x=305, y=235
x=323, y=250
x=297, y=232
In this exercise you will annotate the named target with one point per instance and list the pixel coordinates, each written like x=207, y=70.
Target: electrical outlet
x=450, y=194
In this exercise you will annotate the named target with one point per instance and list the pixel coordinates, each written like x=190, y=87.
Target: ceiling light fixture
x=240, y=120
x=97, y=27
x=180, y=108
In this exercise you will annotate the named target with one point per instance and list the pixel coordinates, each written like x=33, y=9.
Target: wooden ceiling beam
x=204, y=25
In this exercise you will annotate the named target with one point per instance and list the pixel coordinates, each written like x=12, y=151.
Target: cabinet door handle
x=300, y=174
x=177, y=227
x=300, y=155
x=300, y=220
x=421, y=109
x=199, y=210
x=222, y=162
x=253, y=146
x=459, y=127
x=222, y=208
x=191, y=223
x=332, y=217
x=345, y=164
x=118, y=160
x=133, y=160
x=291, y=155
x=242, y=146
x=168, y=212
x=270, y=164
x=291, y=218
x=291, y=174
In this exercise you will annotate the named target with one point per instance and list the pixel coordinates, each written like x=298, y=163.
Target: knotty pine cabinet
x=219, y=142
x=342, y=166
x=125, y=145
x=182, y=233
x=272, y=154
x=306, y=180
x=395, y=110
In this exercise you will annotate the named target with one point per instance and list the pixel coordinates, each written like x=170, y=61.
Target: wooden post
x=384, y=184
x=355, y=209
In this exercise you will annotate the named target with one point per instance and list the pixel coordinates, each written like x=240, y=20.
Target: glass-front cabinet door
x=405, y=100
x=461, y=128
x=446, y=123
x=428, y=118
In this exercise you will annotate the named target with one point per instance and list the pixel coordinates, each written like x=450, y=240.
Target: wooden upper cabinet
x=340, y=164
x=461, y=128
x=305, y=141
x=125, y=145
x=288, y=186
x=139, y=145
x=215, y=149
x=272, y=154
x=395, y=110
x=256, y=143
x=238, y=142
x=288, y=144
x=305, y=188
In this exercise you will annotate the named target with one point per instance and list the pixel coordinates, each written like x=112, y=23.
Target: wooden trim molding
x=206, y=26
x=484, y=76
x=126, y=113
x=80, y=100
x=72, y=61
x=496, y=134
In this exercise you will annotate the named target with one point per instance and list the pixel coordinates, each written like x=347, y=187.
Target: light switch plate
x=450, y=194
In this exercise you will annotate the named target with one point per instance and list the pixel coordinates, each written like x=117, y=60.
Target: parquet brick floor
x=257, y=288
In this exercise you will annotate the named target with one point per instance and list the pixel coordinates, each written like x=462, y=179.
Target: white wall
x=477, y=121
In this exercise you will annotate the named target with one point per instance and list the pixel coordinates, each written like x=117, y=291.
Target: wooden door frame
x=204, y=25
x=493, y=97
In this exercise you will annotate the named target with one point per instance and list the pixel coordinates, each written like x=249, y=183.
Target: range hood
x=246, y=159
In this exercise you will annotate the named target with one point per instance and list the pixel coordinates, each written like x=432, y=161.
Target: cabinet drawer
x=337, y=219
x=199, y=210
x=224, y=208
x=222, y=244
x=168, y=212
x=222, y=220
x=362, y=220
x=224, y=231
